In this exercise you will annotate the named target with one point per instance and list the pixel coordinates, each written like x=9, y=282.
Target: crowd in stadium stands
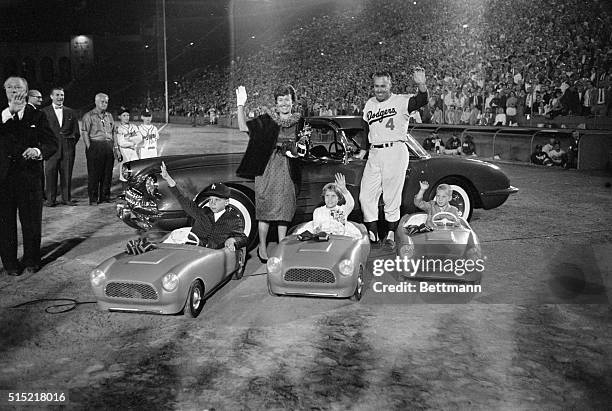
x=488, y=62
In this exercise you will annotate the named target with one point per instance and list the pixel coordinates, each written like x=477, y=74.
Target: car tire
x=241, y=264
x=195, y=300
x=359, y=287
x=243, y=204
x=463, y=198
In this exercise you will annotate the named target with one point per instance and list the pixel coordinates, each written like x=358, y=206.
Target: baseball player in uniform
x=386, y=116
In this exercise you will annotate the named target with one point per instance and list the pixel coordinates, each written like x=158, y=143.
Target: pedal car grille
x=130, y=290
x=136, y=200
x=310, y=275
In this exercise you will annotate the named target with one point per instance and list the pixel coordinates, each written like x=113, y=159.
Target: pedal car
x=177, y=275
x=448, y=251
x=331, y=267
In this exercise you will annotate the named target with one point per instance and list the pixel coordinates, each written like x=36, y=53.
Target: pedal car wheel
x=195, y=300
x=359, y=287
x=240, y=264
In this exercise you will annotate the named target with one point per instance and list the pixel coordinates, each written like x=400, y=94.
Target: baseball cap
x=218, y=190
x=122, y=110
x=146, y=113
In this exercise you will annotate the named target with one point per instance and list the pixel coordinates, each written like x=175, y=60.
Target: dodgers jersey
x=387, y=120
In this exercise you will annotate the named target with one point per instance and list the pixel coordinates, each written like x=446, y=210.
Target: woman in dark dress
x=276, y=175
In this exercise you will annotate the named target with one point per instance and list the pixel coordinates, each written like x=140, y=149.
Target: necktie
x=601, y=99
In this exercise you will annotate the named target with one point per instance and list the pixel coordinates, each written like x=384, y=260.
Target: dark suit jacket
x=69, y=127
x=16, y=136
x=211, y=233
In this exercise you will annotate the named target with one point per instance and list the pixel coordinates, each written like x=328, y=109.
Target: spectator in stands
x=487, y=118
x=474, y=115
x=500, y=117
x=556, y=107
x=588, y=99
x=557, y=155
x=540, y=158
x=511, y=109
x=468, y=147
x=571, y=101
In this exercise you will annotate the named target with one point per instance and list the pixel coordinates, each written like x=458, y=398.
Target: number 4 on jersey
x=390, y=124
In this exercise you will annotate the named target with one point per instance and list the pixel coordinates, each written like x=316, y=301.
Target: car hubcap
x=196, y=298
x=359, y=282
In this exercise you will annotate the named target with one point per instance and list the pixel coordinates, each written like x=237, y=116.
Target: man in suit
x=64, y=124
x=25, y=140
x=35, y=98
x=216, y=225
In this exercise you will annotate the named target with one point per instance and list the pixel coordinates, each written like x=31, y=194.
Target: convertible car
x=177, y=276
x=333, y=145
x=311, y=266
x=448, y=251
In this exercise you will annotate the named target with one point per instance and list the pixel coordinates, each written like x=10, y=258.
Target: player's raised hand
x=419, y=75
x=17, y=101
x=241, y=96
x=424, y=185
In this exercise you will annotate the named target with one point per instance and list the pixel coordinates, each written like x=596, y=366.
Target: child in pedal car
x=437, y=205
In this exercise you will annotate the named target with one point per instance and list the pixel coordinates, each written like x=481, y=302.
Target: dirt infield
x=537, y=336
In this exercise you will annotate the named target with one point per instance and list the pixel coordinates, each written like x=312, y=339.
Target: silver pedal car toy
x=331, y=268
x=177, y=276
x=450, y=243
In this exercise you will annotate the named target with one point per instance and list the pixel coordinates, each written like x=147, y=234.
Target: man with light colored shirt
x=25, y=140
x=98, y=131
x=65, y=126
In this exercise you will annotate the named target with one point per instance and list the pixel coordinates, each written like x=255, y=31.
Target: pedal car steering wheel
x=192, y=239
x=338, y=150
x=444, y=218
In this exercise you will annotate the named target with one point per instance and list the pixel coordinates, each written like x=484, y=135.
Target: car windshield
x=415, y=147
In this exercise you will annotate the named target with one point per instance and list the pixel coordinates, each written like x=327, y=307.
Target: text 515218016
x=34, y=396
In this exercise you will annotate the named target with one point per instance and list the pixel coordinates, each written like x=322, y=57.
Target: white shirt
x=6, y=114
x=59, y=113
x=218, y=215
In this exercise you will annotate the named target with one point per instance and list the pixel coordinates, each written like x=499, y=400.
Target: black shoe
x=263, y=260
x=31, y=269
x=50, y=203
x=70, y=203
x=15, y=272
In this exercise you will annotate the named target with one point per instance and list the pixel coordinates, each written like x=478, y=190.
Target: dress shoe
x=70, y=203
x=31, y=269
x=50, y=203
x=263, y=260
x=14, y=272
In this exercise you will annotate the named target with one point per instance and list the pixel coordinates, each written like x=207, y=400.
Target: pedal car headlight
x=273, y=265
x=151, y=184
x=346, y=267
x=407, y=250
x=96, y=277
x=170, y=281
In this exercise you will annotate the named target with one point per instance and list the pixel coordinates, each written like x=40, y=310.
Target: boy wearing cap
x=216, y=226
x=127, y=139
x=149, y=134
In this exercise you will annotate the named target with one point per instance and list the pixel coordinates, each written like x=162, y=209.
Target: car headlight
x=170, y=281
x=273, y=265
x=151, y=184
x=407, y=249
x=96, y=277
x=346, y=267
x=126, y=171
